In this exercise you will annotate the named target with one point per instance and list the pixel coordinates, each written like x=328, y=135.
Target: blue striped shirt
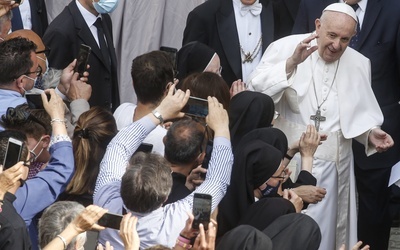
x=163, y=225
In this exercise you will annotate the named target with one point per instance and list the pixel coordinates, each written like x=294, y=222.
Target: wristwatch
x=158, y=116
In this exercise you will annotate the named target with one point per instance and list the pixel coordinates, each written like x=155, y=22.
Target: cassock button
x=326, y=80
x=324, y=109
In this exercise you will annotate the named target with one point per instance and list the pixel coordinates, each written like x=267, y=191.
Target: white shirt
x=249, y=32
x=90, y=19
x=25, y=9
x=360, y=12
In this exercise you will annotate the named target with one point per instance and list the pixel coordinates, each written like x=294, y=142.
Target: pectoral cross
x=247, y=58
x=317, y=118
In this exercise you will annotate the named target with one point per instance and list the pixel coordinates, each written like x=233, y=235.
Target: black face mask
x=270, y=190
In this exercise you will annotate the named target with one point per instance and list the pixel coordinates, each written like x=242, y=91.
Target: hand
x=188, y=232
x=54, y=107
x=217, y=118
x=309, y=142
x=355, y=247
x=206, y=241
x=128, y=232
x=108, y=246
x=66, y=77
x=88, y=218
x=194, y=179
x=6, y=6
x=302, y=51
x=310, y=194
x=9, y=177
x=79, y=89
x=380, y=139
x=237, y=87
x=173, y=103
x=293, y=198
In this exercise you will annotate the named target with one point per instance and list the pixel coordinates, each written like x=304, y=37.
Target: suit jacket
x=285, y=12
x=65, y=35
x=379, y=40
x=213, y=23
x=38, y=16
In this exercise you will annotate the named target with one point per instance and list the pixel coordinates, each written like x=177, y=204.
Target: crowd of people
x=295, y=127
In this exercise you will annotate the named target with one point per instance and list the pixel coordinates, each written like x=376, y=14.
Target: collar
x=89, y=18
x=9, y=92
x=362, y=4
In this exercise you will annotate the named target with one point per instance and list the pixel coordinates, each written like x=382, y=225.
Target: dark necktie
x=354, y=40
x=102, y=41
x=16, y=21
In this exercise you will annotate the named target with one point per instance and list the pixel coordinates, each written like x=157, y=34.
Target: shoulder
x=354, y=57
x=124, y=114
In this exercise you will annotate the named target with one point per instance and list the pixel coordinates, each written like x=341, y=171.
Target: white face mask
x=29, y=91
x=105, y=6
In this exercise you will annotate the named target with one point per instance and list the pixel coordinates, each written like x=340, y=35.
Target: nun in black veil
x=247, y=111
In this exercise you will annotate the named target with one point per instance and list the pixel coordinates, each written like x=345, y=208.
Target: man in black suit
x=379, y=40
x=78, y=24
x=37, y=21
x=214, y=23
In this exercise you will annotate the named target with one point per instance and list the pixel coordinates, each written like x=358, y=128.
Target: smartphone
x=35, y=100
x=196, y=107
x=207, y=158
x=201, y=210
x=13, y=153
x=82, y=59
x=172, y=52
x=110, y=220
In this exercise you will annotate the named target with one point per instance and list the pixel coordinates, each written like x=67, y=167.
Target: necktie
x=102, y=41
x=16, y=21
x=354, y=39
x=255, y=9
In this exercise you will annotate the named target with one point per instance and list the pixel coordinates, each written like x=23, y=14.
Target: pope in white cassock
x=314, y=78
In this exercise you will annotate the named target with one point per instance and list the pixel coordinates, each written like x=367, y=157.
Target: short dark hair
x=146, y=183
x=151, y=72
x=207, y=84
x=15, y=59
x=184, y=141
x=32, y=122
x=4, y=136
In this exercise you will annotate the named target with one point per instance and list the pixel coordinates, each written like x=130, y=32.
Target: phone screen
x=82, y=59
x=110, y=220
x=13, y=153
x=201, y=210
x=196, y=107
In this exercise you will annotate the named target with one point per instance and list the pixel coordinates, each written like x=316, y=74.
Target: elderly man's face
x=335, y=31
x=248, y=2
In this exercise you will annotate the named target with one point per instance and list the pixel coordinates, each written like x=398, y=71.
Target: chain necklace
x=250, y=57
x=317, y=118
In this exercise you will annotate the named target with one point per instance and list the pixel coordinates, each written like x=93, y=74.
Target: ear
x=200, y=158
x=164, y=139
x=20, y=82
x=46, y=141
x=317, y=25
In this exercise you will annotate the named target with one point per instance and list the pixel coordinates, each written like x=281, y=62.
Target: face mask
x=270, y=190
x=29, y=91
x=47, y=65
x=35, y=156
x=105, y=6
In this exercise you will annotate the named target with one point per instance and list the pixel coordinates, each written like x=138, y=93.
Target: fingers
x=286, y=194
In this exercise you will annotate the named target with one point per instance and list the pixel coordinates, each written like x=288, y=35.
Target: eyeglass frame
x=38, y=72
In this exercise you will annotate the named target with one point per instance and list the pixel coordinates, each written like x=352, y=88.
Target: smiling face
x=335, y=31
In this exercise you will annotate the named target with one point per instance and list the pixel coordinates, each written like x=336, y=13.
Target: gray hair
x=55, y=219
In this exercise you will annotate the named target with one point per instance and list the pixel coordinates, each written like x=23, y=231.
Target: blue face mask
x=270, y=190
x=105, y=6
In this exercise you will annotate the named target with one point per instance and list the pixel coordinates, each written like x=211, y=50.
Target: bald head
x=32, y=36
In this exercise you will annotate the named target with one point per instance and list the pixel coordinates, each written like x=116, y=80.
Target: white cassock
x=350, y=109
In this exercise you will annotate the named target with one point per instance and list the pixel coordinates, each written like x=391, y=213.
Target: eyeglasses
x=38, y=71
x=282, y=176
x=23, y=116
x=42, y=51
